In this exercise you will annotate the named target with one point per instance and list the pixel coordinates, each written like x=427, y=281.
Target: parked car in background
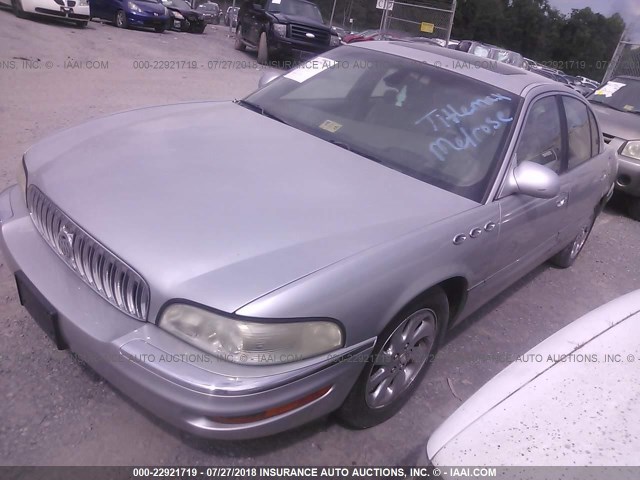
x=132, y=13
x=210, y=12
x=617, y=105
x=360, y=36
x=283, y=28
x=407, y=196
x=571, y=400
x=76, y=11
x=231, y=17
x=184, y=18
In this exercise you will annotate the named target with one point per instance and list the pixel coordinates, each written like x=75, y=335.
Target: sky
x=629, y=9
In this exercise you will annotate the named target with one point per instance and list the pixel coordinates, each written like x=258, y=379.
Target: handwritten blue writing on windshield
x=469, y=137
x=449, y=116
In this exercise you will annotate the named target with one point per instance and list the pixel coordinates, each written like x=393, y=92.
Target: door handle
x=562, y=201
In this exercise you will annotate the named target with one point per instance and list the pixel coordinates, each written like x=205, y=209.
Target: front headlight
x=177, y=15
x=83, y=3
x=134, y=8
x=22, y=176
x=249, y=342
x=632, y=149
x=280, y=29
x=335, y=41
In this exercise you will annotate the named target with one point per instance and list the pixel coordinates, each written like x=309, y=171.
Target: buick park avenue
x=240, y=288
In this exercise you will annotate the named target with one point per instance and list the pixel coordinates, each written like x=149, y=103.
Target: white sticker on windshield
x=275, y=2
x=310, y=69
x=610, y=88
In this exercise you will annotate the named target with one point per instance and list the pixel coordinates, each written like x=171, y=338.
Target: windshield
x=209, y=7
x=620, y=94
x=296, y=7
x=440, y=127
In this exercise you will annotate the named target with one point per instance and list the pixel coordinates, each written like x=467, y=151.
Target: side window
x=595, y=135
x=578, y=130
x=541, y=138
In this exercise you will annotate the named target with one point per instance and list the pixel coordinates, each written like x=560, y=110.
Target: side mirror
x=267, y=77
x=534, y=180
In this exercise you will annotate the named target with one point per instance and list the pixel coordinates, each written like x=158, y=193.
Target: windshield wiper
x=346, y=146
x=257, y=108
x=611, y=106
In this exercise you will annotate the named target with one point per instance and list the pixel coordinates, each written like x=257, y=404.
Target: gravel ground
x=56, y=411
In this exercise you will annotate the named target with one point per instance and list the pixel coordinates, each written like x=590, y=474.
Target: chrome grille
x=105, y=273
x=299, y=32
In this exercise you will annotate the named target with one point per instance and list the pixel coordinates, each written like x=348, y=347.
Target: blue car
x=132, y=13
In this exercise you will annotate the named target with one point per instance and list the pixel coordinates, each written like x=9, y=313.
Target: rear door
x=587, y=166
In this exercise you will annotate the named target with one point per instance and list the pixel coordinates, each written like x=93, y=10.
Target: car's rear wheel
x=121, y=19
x=400, y=359
x=633, y=207
x=239, y=44
x=570, y=253
x=263, y=49
x=160, y=29
x=18, y=11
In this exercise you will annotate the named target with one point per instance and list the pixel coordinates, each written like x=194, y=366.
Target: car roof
x=512, y=79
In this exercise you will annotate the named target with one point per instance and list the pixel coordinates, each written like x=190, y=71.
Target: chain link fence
x=625, y=61
x=421, y=18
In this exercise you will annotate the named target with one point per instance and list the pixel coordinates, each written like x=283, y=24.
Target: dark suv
x=282, y=28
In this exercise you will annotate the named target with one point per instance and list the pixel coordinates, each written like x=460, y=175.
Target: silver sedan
x=360, y=206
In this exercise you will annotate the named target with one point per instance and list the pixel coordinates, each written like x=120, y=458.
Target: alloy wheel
x=403, y=355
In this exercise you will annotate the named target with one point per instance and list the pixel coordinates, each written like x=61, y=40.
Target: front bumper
x=186, y=25
x=286, y=47
x=52, y=9
x=147, y=20
x=178, y=383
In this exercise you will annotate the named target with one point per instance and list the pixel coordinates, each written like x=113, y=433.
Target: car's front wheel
x=81, y=24
x=199, y=28
x=160, y=28
x=570, y=253
x=239, y=44
x=263, y=49
x=633, y=207
x=400, y=359
x=121, y=19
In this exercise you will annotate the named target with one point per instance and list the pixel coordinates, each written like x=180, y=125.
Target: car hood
x=218, y=204
x=623, y=125
x=186, y=12
x=565, y=402
x=151, y=7
x=284, y=18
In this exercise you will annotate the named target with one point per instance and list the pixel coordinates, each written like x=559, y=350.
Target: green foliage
x=580, y=43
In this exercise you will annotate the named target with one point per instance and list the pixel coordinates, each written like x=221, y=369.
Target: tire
x=18, y=11
x=568, y=255
x=376, y=396
x=81, y=24
x=633, y=207
x=160, y=29
x=239, y=44
x=120, y=20
x=200, y=29
x=263, y=49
